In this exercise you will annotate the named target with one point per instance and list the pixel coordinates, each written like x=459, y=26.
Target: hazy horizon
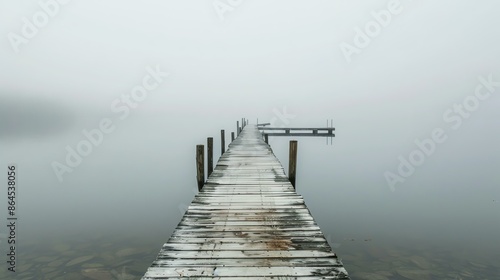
x=429, y=71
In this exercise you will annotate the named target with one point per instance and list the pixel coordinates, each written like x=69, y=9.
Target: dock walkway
x=247, y=222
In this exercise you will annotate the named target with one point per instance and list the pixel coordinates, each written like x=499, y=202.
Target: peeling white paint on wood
x=247, y=223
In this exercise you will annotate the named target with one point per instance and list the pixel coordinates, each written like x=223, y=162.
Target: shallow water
x=127, y=256
x=113, y=256
x=403, y=259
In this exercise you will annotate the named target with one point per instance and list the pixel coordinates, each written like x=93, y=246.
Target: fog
x=284, y=62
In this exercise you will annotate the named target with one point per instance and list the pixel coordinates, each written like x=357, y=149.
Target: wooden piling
x=266, y=138
x=237, y=128
x=292, y=162
x=232, y=136
x=200, y=162
x=222, y=142
x=210, y=155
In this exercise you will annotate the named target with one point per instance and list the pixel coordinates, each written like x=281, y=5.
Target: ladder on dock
x=247, y=222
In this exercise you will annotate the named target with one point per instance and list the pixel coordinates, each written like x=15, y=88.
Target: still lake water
x=108, y=224
x=125, y=257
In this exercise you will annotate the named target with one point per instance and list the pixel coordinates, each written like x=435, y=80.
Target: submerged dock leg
x=200, y=162
x=292, y=162
x=210, y=155
x=222, y=142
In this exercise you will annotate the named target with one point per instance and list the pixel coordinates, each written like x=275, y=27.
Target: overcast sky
x=388, y=73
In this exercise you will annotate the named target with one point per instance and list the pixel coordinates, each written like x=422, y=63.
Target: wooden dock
x=247, y=222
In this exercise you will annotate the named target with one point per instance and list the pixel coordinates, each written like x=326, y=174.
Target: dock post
x=222, y=142
x=266, y=138
x=232, y=136
x=237, y=128
x=210, y=155
x=200, y=162
x=292, y=162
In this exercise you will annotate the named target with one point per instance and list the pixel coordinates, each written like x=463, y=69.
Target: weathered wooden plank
x=257, y=184
x=245, y=254
x=248, y=235
x=252, y=213
x=246, y=181
x=239, y=240
x=207, y=218
x=229, y=189
x=248, y=262
x=251, y=277
x=276, y=244
x=263, y=206
x=254, y=174
x=262, y=228
x=215, y=219
x=246, y=223
x=247, y=199
x=259, y=188
x=236, y=216
x=250, y=194
x=249, y=204
x=244, y=271
x=243, y=211
x=250, y=190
